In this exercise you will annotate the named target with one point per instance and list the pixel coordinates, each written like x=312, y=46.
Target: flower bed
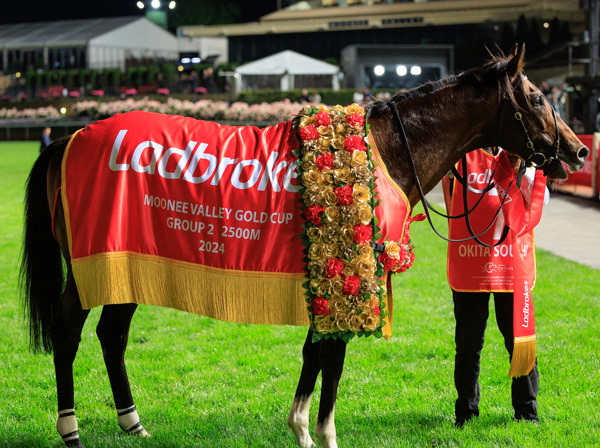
x=49, y=112
x=203, y=109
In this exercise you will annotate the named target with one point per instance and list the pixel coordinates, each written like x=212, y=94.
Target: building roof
x=62, y=33
x=395, y=15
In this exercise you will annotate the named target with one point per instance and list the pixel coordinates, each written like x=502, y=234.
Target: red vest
x=473, y=267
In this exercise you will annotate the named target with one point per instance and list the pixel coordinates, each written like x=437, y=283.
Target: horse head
x=531, y=128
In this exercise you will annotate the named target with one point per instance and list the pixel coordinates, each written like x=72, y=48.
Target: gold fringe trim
x=272, y=300
x=389, y=306
x=523, y=356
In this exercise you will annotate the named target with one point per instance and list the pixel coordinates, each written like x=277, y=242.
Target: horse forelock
x=498, y=67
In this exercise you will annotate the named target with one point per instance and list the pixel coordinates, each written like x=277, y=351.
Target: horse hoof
x=327, y=443
x=302, y=436
x=76, y=443
x=326, y=436
x=139, y=432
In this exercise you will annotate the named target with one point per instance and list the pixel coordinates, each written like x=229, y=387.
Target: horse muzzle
x=577, y=162
x=555, y=169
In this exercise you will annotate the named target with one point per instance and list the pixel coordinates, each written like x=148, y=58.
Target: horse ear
x=517, y=60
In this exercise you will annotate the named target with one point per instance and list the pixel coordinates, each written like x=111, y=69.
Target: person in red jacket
x=503, y=266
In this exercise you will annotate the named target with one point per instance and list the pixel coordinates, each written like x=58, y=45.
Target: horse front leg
x=66, y=334
x=299, y=414
x=113, y=333
x=331, y=357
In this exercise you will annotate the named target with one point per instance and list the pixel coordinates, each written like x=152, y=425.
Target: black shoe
x=460, y=421
x=533, y=420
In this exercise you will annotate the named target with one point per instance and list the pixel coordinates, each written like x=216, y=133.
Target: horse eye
x=538, y=101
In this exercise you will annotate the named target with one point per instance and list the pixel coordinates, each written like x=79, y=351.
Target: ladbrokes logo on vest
x=482, y=180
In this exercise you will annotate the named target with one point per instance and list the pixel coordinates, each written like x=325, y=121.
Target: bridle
x=537, y=158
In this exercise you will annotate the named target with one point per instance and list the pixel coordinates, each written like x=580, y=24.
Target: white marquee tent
x=286, y=65
x=85, y=43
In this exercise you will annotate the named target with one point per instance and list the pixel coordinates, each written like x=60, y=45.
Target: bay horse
x=432, y=127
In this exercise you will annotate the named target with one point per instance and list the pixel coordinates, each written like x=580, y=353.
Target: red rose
x=335, y=266
x=351, y=285
x=355, y=143
x=323, y=119
x=313, y=214
x=377, y=311
x=362, y=234
x=402, y=254
x=355, y=120
x=320, y=306
x=344, y=194
x=407, y=264
x=324, y=161
x=389, y=263
x=309, y=133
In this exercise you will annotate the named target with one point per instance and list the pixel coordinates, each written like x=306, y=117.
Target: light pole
x=156, y=10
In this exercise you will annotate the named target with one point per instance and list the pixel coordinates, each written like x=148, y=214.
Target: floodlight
x=379, y=70
x=140, y=5
x=415, y=70
x=401, y=70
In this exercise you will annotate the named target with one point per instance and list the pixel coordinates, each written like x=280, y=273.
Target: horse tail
x=41, y=275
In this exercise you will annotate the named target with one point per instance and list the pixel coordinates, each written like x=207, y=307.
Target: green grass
x=203, y=383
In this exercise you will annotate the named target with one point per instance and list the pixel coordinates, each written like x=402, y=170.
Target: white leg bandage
x=66, y=425
x=129, y=421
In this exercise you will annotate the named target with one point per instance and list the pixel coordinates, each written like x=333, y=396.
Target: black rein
x=427, y=206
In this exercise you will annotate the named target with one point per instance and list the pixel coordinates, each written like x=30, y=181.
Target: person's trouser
x=471, y=311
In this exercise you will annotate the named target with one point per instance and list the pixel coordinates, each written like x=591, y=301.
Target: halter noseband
x=539, y=158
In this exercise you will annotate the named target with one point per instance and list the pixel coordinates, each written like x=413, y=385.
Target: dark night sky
x=38, y=11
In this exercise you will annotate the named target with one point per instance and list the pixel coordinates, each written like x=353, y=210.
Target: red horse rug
x=193, y=215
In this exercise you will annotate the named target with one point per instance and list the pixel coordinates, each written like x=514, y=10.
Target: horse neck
x=440, y=130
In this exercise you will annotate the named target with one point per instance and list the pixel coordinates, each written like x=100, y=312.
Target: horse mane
x=492, y=74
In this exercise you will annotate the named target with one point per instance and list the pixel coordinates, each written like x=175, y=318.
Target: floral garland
x=336, y=166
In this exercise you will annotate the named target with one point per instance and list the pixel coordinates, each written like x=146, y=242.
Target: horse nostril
x=583, y=153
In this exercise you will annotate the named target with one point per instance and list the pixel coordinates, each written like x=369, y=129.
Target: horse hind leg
x=66, y=335
x=113, y=333
x=331, y=357
x=299, y=414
